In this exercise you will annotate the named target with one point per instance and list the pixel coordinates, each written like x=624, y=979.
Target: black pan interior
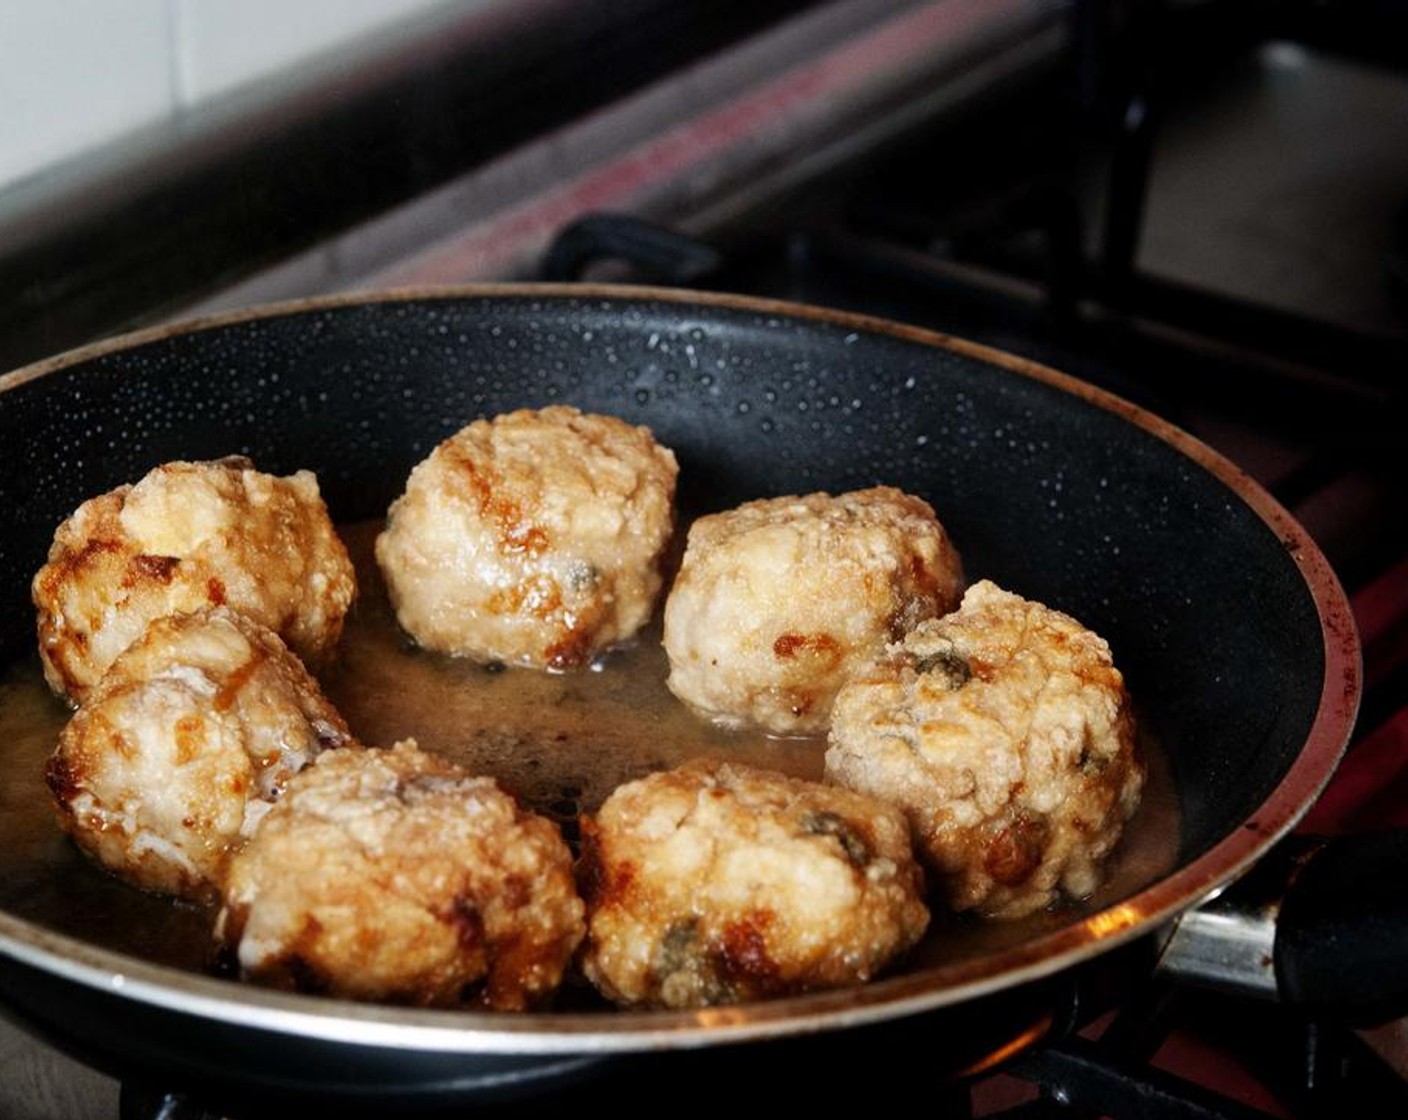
x=1043, y=491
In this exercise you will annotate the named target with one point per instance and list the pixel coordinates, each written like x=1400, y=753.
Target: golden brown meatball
x=175, y=756
x=394, y=875
x=187, y=536
x=715, y=883
x=533, y=539
x=1004, y=731
x=779, y=601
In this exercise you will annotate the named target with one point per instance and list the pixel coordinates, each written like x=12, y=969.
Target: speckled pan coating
x=1234, y=636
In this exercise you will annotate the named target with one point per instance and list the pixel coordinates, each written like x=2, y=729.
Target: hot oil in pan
x=43, y=877
x=561, y=742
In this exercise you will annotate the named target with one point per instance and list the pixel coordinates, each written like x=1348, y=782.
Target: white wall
x=76, y=73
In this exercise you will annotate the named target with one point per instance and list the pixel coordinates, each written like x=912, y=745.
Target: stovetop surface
x=1296, y=217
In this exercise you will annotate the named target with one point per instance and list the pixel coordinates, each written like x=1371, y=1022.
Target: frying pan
x=1233, y=633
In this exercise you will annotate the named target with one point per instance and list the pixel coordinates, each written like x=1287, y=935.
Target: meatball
x=716, y=883
x=175, y=756
x=187, y=536
x=779, y=601
x=533, y=539
x=1004, y=732
x=394, y=875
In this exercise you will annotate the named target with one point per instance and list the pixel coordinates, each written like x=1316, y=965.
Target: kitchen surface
x=1205, y=211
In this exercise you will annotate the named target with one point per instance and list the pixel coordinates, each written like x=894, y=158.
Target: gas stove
x=1076, y=246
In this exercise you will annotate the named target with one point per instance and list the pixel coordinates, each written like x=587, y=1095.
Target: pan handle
x=1320, y=924
x=664, y=255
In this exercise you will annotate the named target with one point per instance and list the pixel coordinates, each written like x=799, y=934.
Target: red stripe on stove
x=485, y=248
x=1381, y=613
x=1370, y=790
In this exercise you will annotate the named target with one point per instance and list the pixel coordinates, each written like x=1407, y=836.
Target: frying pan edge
x=90, y=965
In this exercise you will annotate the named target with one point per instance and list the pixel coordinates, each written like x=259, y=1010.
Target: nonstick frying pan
x=1232, y=631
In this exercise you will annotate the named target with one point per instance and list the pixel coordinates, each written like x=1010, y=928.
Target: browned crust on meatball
x=778, y=601
x=1006, y=734
x=396, y=876
x=536, y=538
x=185, y=537
x=156, y=776
x=717, y=883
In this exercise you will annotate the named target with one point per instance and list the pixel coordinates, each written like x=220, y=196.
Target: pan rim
x=546, y=1033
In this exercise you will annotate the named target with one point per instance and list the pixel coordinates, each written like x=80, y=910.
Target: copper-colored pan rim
x=555, y=1033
